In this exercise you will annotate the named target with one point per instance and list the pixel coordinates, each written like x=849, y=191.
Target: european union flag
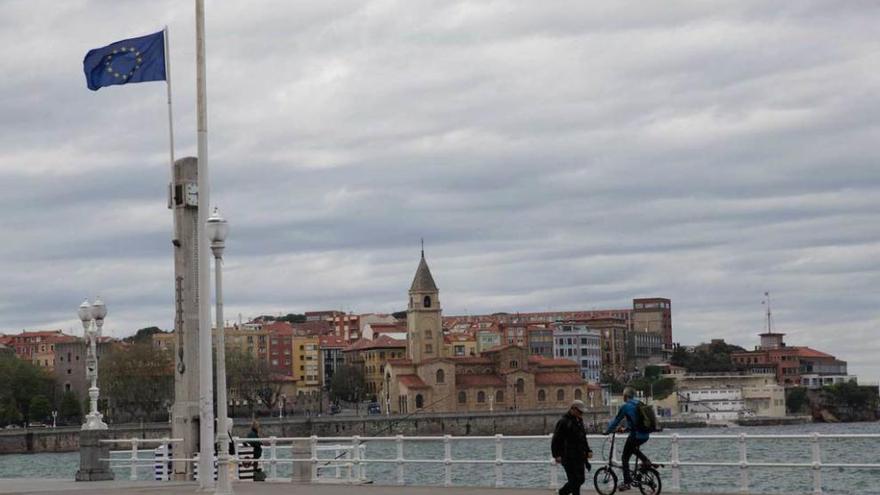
x=127, y=61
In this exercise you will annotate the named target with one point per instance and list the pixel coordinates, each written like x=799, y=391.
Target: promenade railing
x=348, y=456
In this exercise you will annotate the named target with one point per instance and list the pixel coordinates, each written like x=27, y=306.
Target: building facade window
x=520, y=386
x=462, y=397
x=499, y=396
x=441, y=377
x=420, y=401
x=578, y=395
x=560, y=395
x=514, y=364
x=427, y=301
x=542, y=395
x=481, y=397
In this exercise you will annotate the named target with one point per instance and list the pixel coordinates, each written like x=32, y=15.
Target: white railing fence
x=347, y=460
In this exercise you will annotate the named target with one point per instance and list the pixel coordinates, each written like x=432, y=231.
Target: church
x=499, y=379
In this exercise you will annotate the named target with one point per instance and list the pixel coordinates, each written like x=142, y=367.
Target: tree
x=70, y=410
x=21, y=381
x=399, y=315
x=144, y=335
x=347, y=384
x=138, y=381
x=796, y=400
x=39, y=409
x=251, y=380
x=9, y=413
x=711, y=357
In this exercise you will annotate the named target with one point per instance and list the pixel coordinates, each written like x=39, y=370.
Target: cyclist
x=637, y=436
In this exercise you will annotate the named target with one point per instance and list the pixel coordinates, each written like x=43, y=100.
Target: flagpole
x=174, y=239
x=206, y=392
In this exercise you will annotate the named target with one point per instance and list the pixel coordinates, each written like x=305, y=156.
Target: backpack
x=647, y=419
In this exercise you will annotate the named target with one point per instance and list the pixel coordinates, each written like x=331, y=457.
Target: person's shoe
x=624, y=487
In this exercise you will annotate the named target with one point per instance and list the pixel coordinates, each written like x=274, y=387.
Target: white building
x=724, y=396
x=576, y=341
x=815, y=380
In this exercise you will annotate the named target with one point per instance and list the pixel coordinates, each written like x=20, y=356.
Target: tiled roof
x=472, y=360
x=412, y=381
x=501, y=348
x=279, y=328
x=559, y=379
x=380, y=342
x=320, y=327
x=554, y=362
x=809, y=352
x=332, y=341
x=467, y=380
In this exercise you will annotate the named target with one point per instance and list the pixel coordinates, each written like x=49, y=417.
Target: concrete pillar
x=185, y=412
x=302, y=471
x=91, y=450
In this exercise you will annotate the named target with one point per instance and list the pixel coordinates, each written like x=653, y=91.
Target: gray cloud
x=564, y=155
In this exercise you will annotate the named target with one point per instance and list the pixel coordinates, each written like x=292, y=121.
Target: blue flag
x=127, y=61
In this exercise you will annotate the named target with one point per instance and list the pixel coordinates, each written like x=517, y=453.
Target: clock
x=192, y=194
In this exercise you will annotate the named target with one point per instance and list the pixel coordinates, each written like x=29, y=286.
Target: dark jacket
x=256, y=444
x=570, y=440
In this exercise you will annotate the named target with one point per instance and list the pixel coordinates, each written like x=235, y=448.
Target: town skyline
x=571, y=158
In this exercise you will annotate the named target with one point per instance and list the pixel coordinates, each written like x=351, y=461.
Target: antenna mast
x=769, y=313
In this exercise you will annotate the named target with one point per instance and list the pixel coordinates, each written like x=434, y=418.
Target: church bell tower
x=423, y=317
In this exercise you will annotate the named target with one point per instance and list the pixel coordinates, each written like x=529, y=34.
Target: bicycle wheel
x=605, y=481
x=650, y=483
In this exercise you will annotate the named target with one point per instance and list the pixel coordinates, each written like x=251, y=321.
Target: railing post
x=313, y=457
x=499, y=459
x=554, y=471
x=134, y=459
x=163, y=473
x=675, y=462
x=399, y=442
x=817, y=465
x=743, y=465
x=362, y=455
x=447, y=461
x=356, y=455
x=273, y=465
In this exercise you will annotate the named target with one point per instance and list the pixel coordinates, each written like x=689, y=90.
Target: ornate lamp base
x=94, y=421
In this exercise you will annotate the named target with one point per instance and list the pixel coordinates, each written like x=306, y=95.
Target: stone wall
x=507, y=423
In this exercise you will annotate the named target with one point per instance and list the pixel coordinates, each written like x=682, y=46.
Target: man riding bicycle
x=637, y=435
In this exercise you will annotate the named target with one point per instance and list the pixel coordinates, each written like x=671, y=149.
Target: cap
x=579, y=405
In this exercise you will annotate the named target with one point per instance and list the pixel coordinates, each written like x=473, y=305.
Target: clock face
x=192, y=194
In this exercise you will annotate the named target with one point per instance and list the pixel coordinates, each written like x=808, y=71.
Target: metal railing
x=349, y=453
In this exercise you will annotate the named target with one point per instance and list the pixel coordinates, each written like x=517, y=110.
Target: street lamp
x=54, y=418
x=87, y=314
x=217, y=230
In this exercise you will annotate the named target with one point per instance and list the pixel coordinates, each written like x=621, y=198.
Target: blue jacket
x=629, y=411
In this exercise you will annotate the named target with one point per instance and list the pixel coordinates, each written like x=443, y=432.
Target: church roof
x=412, y=381
x=423, y=281
x=559, y=379
x=483, y=380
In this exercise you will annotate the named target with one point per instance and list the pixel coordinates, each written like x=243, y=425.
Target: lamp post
x=54, y=418
x=217, y=230
x=89, y=313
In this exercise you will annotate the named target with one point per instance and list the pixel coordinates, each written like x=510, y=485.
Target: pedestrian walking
x=571, y=448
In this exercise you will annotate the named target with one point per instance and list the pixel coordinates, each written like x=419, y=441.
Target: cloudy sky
x=554, y=155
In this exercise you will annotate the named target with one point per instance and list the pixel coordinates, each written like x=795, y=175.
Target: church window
x=499, y=396
x=578, y=395
x=440, y=376
x=462, y=397
x=560, y=395
x=428, y=334
x=520, y=386
x=542, y=395
x=514, y=364
x=427, y=301
x=429, y=349
x=420, y=401
x=481, y=396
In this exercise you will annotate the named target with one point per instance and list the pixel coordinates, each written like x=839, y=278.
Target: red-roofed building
x=372, y=356
x=793, y=366
x=38, y=347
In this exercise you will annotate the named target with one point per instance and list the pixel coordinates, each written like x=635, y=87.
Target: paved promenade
x=55, y=487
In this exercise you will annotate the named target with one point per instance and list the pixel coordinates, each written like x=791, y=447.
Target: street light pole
x=87, y=314
x=217, y=230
